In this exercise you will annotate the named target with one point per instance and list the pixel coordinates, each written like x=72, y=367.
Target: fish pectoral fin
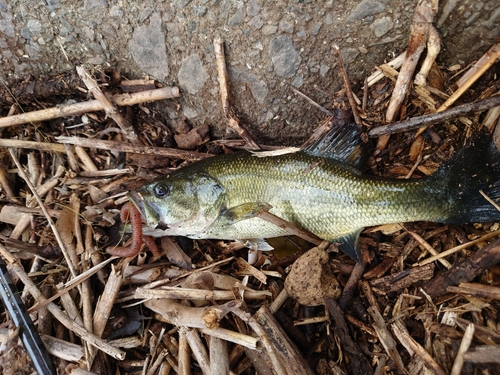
x=349, y=244
x=243, y=212
x=258, y=244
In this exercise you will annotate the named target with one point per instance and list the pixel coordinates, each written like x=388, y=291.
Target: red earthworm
x=131, y=213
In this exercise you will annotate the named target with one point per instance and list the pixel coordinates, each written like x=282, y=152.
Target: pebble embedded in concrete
x=285, y=58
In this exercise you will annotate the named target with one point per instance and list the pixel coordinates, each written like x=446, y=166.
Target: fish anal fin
x=349, y=244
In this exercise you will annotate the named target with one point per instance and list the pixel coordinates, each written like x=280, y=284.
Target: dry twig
x=234, y=122
x=89, y=106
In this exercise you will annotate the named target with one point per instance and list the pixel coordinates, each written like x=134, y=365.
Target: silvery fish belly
x=319, y=189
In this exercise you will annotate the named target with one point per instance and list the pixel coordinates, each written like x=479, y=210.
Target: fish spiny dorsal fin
x=341, y=143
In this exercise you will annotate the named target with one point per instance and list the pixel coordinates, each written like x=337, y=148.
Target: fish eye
x=161, y=190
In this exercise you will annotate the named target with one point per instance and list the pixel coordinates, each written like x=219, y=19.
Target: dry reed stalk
x=137, y=149
x=380, y=327
x=56, y=312
x=414, y=347
x=464, y=346
x=198, y=349
x=234, y=123
x=199, y=294
x=219, y=358
x=109, y=108
x=89, y=106
x=184, y=360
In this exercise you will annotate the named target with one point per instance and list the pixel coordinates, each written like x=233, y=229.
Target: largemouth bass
x=320, y=189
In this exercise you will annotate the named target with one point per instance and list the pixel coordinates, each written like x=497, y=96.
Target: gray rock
x=258, y=87
x=25, y=33
x=181, y=3
x=192, y=75
x=381, y=26
x=329, y=18
x=349, y=54
x=53, y=4
x=147, y=47
x=35, y=27
x=200, y=10
x=286, y=26
x=189, y=112
x=6, y=25
x=237, y=17
x=95, y=5
x=298, y=81
x=115, y=11
x=255, y=23
x=323, y=70
x=33, y=51
x=315, y=31
x=366, y=8
x=253, y=8
x=285, y=58
x=269, y=29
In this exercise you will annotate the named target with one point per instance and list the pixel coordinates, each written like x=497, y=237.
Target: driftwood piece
x=352, y=285
x=466, y=270
x=194, y=317
x=275, y=360
x=404, y=279
x=483, y=354
x=63, y=349
x=359, y=364
x=414, y=347
x=379, y=73
x=184, y=357
x=474, y=73
x=380, y=327
x=484, y=334
x=489, y=58
x=477, y=290
x=290, y=355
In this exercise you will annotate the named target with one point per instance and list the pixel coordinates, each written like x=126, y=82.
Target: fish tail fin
x=475, y=169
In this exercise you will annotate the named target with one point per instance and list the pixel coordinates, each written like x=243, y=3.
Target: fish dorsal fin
x=341, y=143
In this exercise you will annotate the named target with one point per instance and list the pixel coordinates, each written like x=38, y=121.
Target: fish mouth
x=149, y=216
